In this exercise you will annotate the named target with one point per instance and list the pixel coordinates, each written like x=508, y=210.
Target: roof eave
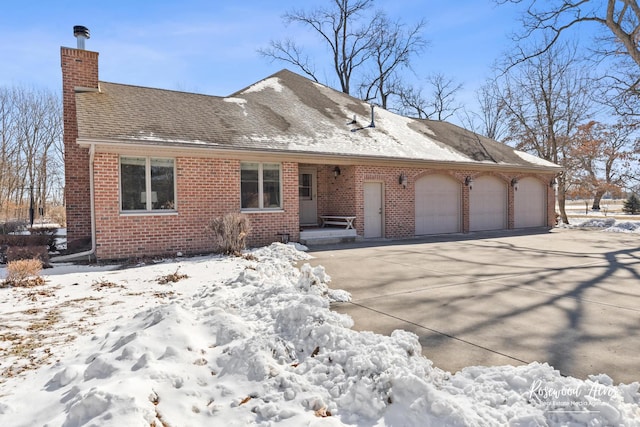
x=126, y=146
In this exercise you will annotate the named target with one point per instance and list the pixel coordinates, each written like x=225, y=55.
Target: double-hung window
x=260, y=185
x=147, y=184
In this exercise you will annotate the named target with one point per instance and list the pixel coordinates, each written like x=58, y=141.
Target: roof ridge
x=161, y=89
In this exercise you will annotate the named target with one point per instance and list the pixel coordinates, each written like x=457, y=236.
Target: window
x=147, y=184
x=260, y=186
x=305, y=186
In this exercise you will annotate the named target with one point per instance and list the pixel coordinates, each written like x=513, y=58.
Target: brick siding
x=205, y=188
x=210, y=187
x=79, y=69
x=344, y=195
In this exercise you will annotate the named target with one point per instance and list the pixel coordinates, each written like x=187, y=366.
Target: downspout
x=90, y=252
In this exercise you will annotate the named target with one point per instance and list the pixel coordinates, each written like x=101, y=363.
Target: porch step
x=328, y=236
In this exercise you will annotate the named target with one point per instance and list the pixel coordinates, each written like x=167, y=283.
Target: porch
x=327, y=205
x=312, y=236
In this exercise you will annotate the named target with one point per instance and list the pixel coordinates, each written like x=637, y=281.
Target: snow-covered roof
x=282, y=113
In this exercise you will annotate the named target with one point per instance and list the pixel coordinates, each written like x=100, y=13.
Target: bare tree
x=7, y=147
x=31, y=130
x=368, y=50
x=546, y=98
x=620, y=17
x=392, y=47
x=439, y=104
x=491, y=121
x=339, y=27
x=620, y=22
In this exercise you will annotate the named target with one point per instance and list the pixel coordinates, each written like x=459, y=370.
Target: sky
x=211, y=46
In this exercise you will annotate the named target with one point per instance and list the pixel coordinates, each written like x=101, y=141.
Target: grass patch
x=171, y=278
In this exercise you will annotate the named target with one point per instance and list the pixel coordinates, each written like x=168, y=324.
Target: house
x=147, y=169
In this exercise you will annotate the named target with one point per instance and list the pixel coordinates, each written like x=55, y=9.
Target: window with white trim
x=260, y=185
x=147, y=184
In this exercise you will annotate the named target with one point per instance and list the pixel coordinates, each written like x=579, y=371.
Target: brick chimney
x=79, y=72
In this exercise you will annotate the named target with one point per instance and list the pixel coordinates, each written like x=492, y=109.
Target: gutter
x=215, y=150
x=91, y=252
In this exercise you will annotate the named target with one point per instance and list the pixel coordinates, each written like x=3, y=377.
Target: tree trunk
x=596, y=199
x=561, y=200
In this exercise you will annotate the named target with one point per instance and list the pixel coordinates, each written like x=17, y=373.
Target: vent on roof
x=371, y=125
x=81, y=33
x=373, y=122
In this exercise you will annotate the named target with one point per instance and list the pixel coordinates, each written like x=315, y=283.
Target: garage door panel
x=530, y=202
x=437, y=202
x=488, y=204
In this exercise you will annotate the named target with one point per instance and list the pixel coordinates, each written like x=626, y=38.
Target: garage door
x=437, y=205
x=530, y=204
x=487, y=204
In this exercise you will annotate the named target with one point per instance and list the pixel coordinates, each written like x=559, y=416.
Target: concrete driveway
x=567, y=297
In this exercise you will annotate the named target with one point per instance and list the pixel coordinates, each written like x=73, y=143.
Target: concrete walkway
x=567, y=297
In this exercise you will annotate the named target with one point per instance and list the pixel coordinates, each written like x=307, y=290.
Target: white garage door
x=437, y=205
x=487, y=204
x=530, y=204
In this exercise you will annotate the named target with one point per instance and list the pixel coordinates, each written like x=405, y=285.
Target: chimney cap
x=81, y=31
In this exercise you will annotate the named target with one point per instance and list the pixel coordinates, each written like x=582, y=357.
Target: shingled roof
x=282, y=113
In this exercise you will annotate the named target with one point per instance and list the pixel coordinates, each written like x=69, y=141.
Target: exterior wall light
x=336, y=172
x=514, y=183
x=402, y=180
x=554, y=184
x=468, y=181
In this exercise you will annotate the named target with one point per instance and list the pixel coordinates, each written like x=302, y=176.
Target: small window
x=260, y=186
x=305, y=186
x=147, y=184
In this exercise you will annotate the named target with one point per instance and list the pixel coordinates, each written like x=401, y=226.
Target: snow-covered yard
x=251, y=341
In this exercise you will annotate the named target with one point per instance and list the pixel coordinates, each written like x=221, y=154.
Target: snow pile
x=610, y=225
x=598, y=223
x=262, y=347
x=625, y=227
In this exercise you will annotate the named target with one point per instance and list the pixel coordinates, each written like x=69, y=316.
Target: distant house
x=147, y=169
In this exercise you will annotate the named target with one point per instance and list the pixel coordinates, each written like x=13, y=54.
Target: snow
x=272, y=83
x=610, y=225
x=392, y=137
x=151, y=137
x=533, y=159
x=240, y=102
x=251, y=341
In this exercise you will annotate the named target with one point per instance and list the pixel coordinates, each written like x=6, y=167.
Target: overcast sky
x=210, y=46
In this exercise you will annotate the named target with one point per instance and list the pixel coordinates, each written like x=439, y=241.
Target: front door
x=307, y=191
x=372, y=209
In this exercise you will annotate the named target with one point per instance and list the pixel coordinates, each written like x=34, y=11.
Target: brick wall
x=205, y=188
x=335, y=193
x=344, y=195
x=79, y=69
x=210, y=187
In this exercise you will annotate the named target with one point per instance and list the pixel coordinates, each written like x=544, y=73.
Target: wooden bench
x=346, y=221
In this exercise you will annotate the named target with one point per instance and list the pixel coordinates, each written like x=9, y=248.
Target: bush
x=12, y=227
x=24, y=272
x=631, y=205
x=49, y=232
x=17, y=253
x=24, y=240
x=230, y=233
